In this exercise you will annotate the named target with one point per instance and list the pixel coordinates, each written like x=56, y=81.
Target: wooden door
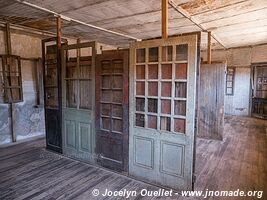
x=112, y=121
x=162, y=111
x=52, y=94
x=79, y=101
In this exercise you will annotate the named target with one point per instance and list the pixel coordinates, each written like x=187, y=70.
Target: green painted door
x=78, y=69
x=162, y=111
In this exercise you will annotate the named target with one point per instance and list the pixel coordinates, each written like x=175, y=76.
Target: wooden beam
x=164, y=18
x=59, y=34
x=209, y=48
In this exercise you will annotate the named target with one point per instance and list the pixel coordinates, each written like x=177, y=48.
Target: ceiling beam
x=188, y=16
x=164, y=18
x=209, y=48
x=75, y=20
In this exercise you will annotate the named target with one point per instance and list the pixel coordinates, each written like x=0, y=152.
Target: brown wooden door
x=112, y=109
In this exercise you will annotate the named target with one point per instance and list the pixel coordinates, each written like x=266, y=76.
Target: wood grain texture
x=28, y=171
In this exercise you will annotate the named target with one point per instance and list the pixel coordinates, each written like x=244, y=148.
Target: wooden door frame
x=44, y=41
x=125, y=103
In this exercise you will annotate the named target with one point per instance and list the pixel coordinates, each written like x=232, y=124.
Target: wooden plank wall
x=211, y=101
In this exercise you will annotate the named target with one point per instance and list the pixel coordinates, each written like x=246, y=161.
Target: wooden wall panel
x=211, y=101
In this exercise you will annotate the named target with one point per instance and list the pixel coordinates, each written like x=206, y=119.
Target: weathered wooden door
x=79, y=101
x=52, y=94
x=112, y=121
x=162, y=111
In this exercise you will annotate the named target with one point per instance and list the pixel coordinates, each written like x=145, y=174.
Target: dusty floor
x=28, y=171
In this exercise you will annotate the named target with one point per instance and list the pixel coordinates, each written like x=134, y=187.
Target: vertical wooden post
x=12, y=105
x=209, y=48
x=58, y=32
x=164, y=18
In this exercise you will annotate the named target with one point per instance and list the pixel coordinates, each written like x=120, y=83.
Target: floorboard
x=28, y=171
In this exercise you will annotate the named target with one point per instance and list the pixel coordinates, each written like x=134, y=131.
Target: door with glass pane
x=112, y=111
x=162, y=111
x=78, y=101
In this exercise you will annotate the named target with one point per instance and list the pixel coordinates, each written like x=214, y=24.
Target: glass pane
x=166, y=71
x=85, y=70
x=117, y=96
x=152, y=121
x=105, y=123
x=51, y=97
x=71, y=93
x=165, y=123
x=180, y=108
x=140, y=71
x=179, y=125
x=106, y=67
x=117, y=82
x=140, y=88
x=71, y=70
x=153, y=88
x=13, y=80
x=181, y=52
x=166, y=106
x=180, y=89
x=105, y=109
x=106, y=96
x=166, y=89
x=153, y=71
x=153, y=54
x=140, y=55
x=167, y=53
x=117, y=125
x=152, y=105
x=117, y=111
x=140, y=120
x=106, y=81
x=117, y=66
x=86, y=94
x=181, y=71
x=51, y=77
x=14, y=94
x=140, y=104
x=229, y=84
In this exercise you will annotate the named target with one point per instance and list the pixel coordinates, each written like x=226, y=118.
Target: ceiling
x=233, y=23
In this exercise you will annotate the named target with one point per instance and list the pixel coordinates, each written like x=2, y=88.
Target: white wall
x=241, y=58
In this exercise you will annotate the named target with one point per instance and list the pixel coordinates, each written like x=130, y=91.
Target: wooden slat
x=164, y=19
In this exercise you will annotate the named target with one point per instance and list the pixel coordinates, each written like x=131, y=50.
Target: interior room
x=111, y=99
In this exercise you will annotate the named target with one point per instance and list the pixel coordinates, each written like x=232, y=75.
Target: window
x=161, y=88
x=230, y=81
x=11, y=82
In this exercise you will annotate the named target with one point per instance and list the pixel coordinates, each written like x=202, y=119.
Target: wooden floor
x=28, y=171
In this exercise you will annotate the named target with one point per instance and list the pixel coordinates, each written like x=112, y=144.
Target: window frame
x=231, y=81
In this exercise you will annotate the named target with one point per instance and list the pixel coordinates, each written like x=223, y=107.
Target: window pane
x=140, y=104
x=140, y=72
x=181, y=71
x=166, y=89
x=165, y=123
x=180, y=89
x=117, y=125
x=180, y=108
x=153, y=71
x=140, y=88
x=72, y=93
x=140, y=55
x=152, y=105
x=166, y=71
x=106, y=81
x=140, y=120
x=117, y=111
x=181, y=52
x=166, y=106
x=117, y=82
x=105, y=109
x=153, y=54
x=106, y=96
x=153, y=88
x=167, y=53
x=86, y=94
x=106, y=67
x=117, y=96
x=105, y=123
x=179, y=125
x=117, y=66
x=152, y=121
